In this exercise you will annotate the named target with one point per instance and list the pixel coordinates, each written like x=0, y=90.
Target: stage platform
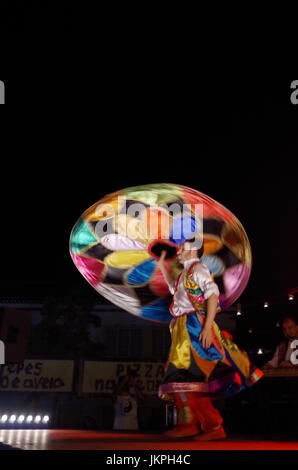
x=68, y=439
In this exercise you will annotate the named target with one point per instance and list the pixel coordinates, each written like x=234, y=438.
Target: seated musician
x=284, y=350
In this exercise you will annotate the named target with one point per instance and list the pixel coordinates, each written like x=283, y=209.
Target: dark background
x=94, y=109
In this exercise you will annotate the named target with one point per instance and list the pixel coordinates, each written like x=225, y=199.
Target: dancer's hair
x=200, y=251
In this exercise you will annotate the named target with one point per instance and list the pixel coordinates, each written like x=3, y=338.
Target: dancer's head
x=188, y=250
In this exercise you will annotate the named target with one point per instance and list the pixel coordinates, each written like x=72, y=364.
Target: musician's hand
x=286, y=364
x=206, y=337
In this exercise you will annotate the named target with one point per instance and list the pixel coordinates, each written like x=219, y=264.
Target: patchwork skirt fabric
x=219, y=371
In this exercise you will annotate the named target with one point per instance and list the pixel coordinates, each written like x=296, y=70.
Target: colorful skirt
x=219, y=371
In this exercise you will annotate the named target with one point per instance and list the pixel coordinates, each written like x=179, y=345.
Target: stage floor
x=68, y=439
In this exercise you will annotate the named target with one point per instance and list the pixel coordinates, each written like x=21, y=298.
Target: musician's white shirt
x=274, y=361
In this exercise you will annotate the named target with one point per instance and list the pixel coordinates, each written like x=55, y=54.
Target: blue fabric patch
x=183, y=228
x=214, y=264
x=142, y=273
x=158, y=311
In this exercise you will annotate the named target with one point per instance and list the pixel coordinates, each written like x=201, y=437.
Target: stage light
x=291, y=297
x=260, y=351
x=22, y=419
x=239, y=309
x=266, y=305
x=250, y=330
x=277, y=324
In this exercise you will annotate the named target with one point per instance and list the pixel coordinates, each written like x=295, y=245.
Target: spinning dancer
x=117, y=243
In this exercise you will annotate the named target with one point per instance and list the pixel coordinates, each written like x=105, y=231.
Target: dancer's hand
x=167, y=273
x=206, y=337
x=161, y=261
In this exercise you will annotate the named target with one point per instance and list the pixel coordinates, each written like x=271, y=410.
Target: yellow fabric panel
x=180, y=346
x=212, y=244
x=106, y=208
x=126, y=259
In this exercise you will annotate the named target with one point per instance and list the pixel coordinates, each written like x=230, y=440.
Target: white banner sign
x=101, y=377
x=37, y=376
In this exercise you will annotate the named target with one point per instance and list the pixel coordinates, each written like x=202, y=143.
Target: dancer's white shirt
x=202, y=277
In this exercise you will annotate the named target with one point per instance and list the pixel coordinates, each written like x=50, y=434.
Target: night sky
x=87, y=118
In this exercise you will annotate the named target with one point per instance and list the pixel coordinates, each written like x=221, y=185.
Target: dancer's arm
x=212, y=303
x=206, y=335
x=166, y=274
x=211, y=294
